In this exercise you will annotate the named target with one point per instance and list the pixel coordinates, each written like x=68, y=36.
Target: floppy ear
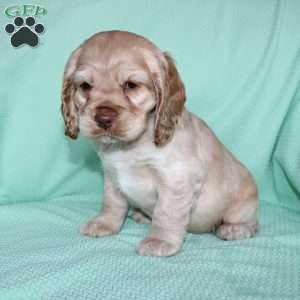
x=170, y=95
x=68, y=106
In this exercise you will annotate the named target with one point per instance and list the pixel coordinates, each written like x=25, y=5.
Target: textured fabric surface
x=44, y=257
x=240, y=61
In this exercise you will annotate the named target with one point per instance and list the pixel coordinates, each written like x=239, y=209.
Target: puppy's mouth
x=102, y=134
x=117, y=133
x=107, y=136
x=111, y=138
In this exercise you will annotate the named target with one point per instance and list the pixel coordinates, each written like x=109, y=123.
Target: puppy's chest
x=134, y=178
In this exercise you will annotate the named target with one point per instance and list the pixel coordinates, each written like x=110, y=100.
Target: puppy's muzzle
x=105, y=117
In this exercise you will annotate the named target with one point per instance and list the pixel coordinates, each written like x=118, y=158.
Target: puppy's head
x=113, y=82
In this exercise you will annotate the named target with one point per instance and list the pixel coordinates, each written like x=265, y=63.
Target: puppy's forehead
x=108, y=49
x=113, y=40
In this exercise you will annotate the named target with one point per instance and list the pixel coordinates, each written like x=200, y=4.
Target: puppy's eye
x=85, y=86
x=129, y=85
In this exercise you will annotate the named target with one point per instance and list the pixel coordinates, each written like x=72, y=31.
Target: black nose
x=105, y=117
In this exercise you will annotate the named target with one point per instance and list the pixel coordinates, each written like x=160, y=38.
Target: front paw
x=152, y=246
x=97, y=228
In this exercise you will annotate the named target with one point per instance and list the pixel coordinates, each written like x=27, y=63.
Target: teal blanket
x=240, y=61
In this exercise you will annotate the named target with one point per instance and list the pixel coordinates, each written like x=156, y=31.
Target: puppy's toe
x=96, y=228
x=231, y=232
x=155, y=247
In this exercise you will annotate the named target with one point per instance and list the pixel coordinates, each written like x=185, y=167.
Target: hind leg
x=240, y=231
x=240, y=221
x=138, y=216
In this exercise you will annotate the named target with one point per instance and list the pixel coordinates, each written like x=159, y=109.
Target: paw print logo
x=24, y=33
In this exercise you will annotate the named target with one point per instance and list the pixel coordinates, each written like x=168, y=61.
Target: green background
x=240, y=61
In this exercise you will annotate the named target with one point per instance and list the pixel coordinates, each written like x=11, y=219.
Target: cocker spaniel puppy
x=159, y=159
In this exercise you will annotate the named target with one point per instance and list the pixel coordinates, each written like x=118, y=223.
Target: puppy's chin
x=106, y=139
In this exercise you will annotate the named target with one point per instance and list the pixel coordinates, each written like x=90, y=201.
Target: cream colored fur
x=192, y=183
